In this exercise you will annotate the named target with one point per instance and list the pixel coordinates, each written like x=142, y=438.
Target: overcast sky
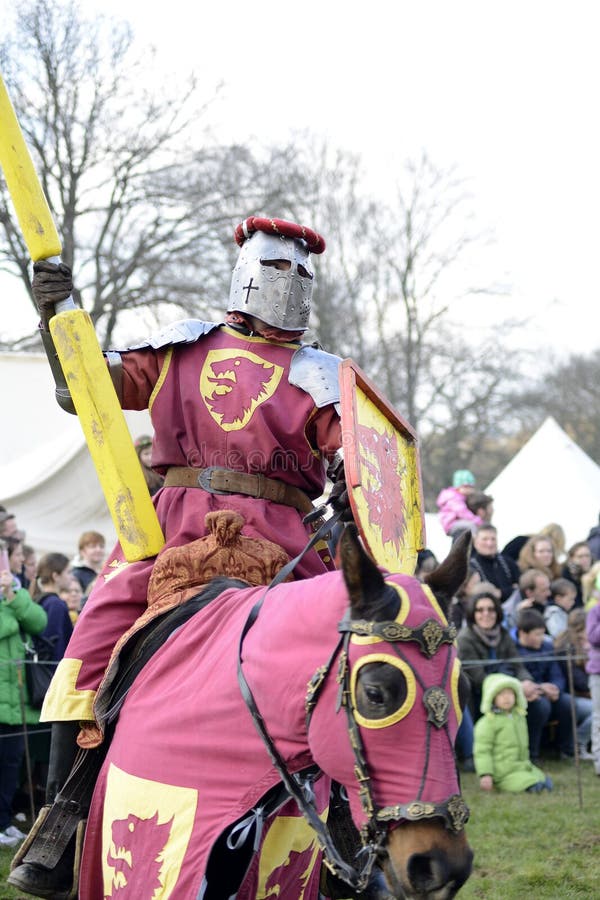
x=506, y=92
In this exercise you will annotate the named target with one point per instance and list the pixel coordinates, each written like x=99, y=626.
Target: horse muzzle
x=425, y=862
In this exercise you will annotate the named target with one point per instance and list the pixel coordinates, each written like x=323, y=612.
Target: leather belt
x=217, y=480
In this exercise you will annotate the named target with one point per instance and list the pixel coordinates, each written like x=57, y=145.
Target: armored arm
x=52, y=283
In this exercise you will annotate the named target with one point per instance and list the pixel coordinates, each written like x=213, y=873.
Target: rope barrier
x=543, y=657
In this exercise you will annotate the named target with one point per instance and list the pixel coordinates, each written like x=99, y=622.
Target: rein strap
x=331, y=856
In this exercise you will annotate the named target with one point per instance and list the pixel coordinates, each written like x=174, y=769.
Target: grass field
x=540, y=846
x=527, y=847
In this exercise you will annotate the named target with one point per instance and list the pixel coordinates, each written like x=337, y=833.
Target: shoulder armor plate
x=187, y=331
x=317, y=373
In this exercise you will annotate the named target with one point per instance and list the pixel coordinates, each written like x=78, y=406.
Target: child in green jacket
x=501, y=747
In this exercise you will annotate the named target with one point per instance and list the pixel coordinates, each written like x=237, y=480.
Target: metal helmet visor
x=273, y=280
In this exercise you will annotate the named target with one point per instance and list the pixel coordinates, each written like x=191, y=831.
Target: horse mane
x=216, y=586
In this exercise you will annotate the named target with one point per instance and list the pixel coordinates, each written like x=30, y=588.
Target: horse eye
x=380, y=690
x=374, y=694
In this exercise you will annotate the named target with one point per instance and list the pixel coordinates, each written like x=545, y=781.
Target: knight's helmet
x=273, y=277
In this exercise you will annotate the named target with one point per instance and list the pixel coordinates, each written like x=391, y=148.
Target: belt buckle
x=204, y=479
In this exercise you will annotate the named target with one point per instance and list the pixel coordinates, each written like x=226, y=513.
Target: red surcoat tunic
x=222, y=401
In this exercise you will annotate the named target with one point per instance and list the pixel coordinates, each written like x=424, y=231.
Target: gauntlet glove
x=52, y=282
x=338, y=498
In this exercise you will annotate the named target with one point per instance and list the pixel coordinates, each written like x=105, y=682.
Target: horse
x=218, y=777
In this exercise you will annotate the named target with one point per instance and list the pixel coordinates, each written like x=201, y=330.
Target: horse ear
x=446, y=578
x=363, y=579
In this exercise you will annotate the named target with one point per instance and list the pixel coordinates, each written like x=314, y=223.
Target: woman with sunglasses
x=485, y=646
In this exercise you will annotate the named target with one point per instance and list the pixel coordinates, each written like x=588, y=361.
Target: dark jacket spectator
x=491, y=565
x=515, y=545
x=574, y=642
x=578, y=563
x=485, y=640
x=53, y=576
x=537, y=650
x=538, y=659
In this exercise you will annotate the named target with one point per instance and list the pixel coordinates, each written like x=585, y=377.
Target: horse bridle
x=430, y=636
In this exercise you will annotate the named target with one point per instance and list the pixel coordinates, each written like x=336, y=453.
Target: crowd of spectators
x=531, y=612
x=527, y=616
x=40, y=600
x=41, y=597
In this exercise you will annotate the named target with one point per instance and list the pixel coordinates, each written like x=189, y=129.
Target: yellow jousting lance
x=81, y=358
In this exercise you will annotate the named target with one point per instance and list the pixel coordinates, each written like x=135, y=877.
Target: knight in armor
x=246, y=418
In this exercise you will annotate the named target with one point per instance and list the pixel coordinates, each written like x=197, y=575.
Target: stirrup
x=63, y=892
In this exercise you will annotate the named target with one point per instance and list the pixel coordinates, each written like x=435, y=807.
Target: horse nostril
x=427, y=872
x=434, y=872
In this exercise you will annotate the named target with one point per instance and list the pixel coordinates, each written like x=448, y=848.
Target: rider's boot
x=29, y=873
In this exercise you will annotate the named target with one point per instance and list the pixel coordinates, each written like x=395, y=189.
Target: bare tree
x=144, y=196
x=106, y=149
x=389, y=295
x=333, y=199
x=469, y=420
x=426, y=240
x=570, y=392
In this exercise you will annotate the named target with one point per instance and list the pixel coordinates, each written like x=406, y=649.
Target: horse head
x=398, y=693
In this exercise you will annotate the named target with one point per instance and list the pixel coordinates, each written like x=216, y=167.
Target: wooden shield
x=383, y=473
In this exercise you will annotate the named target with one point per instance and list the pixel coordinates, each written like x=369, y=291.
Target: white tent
x=47, y=478
x=436, y=538
x=550, y=479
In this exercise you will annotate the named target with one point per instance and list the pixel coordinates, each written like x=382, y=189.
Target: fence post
x=19, y=665
x=574, y=722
